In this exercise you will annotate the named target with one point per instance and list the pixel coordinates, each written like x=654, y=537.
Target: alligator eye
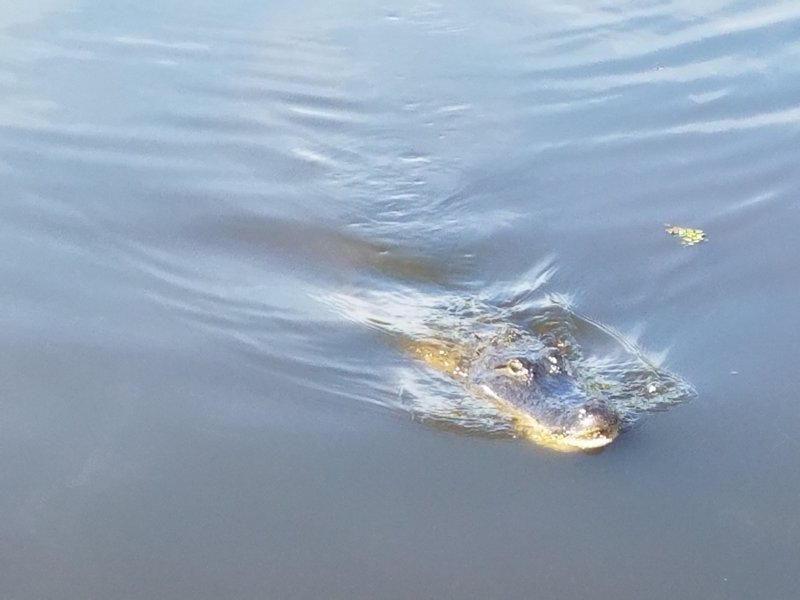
x=517, y=367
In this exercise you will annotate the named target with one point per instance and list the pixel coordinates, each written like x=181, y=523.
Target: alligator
x=554, y=391
x=533, y=383
x=531, y=368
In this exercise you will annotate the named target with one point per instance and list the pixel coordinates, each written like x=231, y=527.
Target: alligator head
x=548, y=401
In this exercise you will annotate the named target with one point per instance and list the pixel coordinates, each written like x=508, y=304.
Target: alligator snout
x=594, y=425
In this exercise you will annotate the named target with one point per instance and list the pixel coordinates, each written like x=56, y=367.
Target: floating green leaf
x=687, y=235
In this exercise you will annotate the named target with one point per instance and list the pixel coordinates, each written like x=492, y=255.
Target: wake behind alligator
x=534, y=369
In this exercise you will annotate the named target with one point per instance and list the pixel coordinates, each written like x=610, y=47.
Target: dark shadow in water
x=322, y=250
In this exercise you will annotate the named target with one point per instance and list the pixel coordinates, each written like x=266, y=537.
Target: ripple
x=240, y=169
x=633, y=381
x=164, y=44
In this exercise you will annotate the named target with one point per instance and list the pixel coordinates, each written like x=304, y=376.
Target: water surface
x=185, y=414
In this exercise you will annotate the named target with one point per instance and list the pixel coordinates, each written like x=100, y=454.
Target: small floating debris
x=687, y=235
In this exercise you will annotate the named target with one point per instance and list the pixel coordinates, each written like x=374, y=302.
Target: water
x=185, y=414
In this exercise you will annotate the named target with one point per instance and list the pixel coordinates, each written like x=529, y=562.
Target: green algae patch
x=687, y=235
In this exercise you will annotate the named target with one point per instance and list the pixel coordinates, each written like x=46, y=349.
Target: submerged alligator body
x=554, y=391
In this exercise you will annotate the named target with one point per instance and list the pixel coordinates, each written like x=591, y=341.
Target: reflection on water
x=187, y=188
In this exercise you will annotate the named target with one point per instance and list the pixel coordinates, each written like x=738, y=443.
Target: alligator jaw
x=590, y=443
x=593, y=439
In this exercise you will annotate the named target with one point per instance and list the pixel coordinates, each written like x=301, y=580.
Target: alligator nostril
x=597, y=417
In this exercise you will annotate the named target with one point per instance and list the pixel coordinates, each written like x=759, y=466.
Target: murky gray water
x=185, y=413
